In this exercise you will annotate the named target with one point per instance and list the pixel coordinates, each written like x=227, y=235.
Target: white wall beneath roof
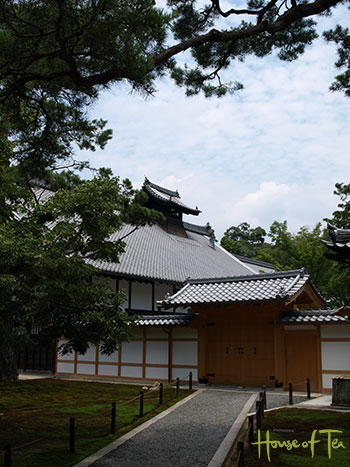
x=335, y=352
x=185, y=353
x=141, y=296
x=338, y=330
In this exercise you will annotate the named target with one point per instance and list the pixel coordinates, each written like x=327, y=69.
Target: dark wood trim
x=129, y=295
x=170, y=355
x=144, y=353
x=153, y=296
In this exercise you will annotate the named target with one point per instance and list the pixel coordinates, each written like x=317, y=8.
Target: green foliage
x=341, y=37
x=287, y=251
x=244, y=240
x=45, y=250
x=341, y=217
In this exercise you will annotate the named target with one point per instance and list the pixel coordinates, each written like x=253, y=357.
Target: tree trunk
x=8, y=355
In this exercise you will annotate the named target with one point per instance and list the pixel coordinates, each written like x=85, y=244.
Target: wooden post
x=190, y=381
x=250, y=431
x=308, y=388
x=141, y=403
x=7, y=455
x=258, y=415
x=113, y=418
x=290, y=393
x=161, y=394
x=264, y=397
x=240, y=454
x=261, y=396
x=177, y=388
x=72, y=435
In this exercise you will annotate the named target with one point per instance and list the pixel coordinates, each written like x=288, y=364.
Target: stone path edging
x=226, y=445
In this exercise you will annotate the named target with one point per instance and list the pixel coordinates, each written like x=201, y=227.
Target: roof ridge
x=251, y=277
x=245, y=259
x=162, y=189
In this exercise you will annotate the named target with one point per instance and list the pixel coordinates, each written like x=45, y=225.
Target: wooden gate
x=240, y=349
x=301, y=359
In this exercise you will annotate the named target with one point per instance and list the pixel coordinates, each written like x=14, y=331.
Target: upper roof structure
x=170, y=200
x=278, y=286
x=339, y=245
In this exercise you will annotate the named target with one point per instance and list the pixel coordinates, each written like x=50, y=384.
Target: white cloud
x=271, y=152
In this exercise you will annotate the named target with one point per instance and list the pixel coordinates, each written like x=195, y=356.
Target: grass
x=35, y=414
x=299, y=424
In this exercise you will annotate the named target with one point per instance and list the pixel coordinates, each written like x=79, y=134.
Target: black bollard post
x=141, y=404
x=258, y=415
x=177, y=388
x=240, y=454
x=261, y=397
x=290, y=393
x=250, y=430
x=308, y=388
x=7, y=455
x=161, y=394
x=72, y=435
x=113, y=418
x=264, y=397
x=190, y=381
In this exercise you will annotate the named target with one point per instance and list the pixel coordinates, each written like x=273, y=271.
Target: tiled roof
x=253, y=288
x=165, y=319
x=153, y=253
x=311, y=317
x=168, y=197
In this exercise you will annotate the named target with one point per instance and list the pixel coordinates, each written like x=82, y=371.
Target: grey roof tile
x=164, y=319
x=311, y=317
x=153, y=253
x=253, y=288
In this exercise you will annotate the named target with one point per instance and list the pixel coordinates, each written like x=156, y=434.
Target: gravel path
x=188, y=436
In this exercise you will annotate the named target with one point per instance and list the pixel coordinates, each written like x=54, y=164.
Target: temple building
x=200, y=309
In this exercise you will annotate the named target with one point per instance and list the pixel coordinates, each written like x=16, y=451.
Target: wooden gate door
x=301, y=359
x=223, y=350
x=240, y=350
x=258, y=350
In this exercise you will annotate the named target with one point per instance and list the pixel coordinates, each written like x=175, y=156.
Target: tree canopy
x=57, y=55
x=288, y=251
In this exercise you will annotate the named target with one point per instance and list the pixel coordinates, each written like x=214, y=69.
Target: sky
x=272, y=151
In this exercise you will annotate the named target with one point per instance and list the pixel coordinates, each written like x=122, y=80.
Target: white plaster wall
x=86, y=369
x=131, y=371
x=335, y=355
x=108, y=370
x=65, y=367
x=156, y=373
x=341, y=330
x=185, y=353
x=124, y=285
x=183, y=373
x=132, y=352
x=113, y=358
x=141, y=296
x=89, y=356
x=156, y=333
x=61, y=356
x=157, y=352
x=184, y=332
x=327, y=380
